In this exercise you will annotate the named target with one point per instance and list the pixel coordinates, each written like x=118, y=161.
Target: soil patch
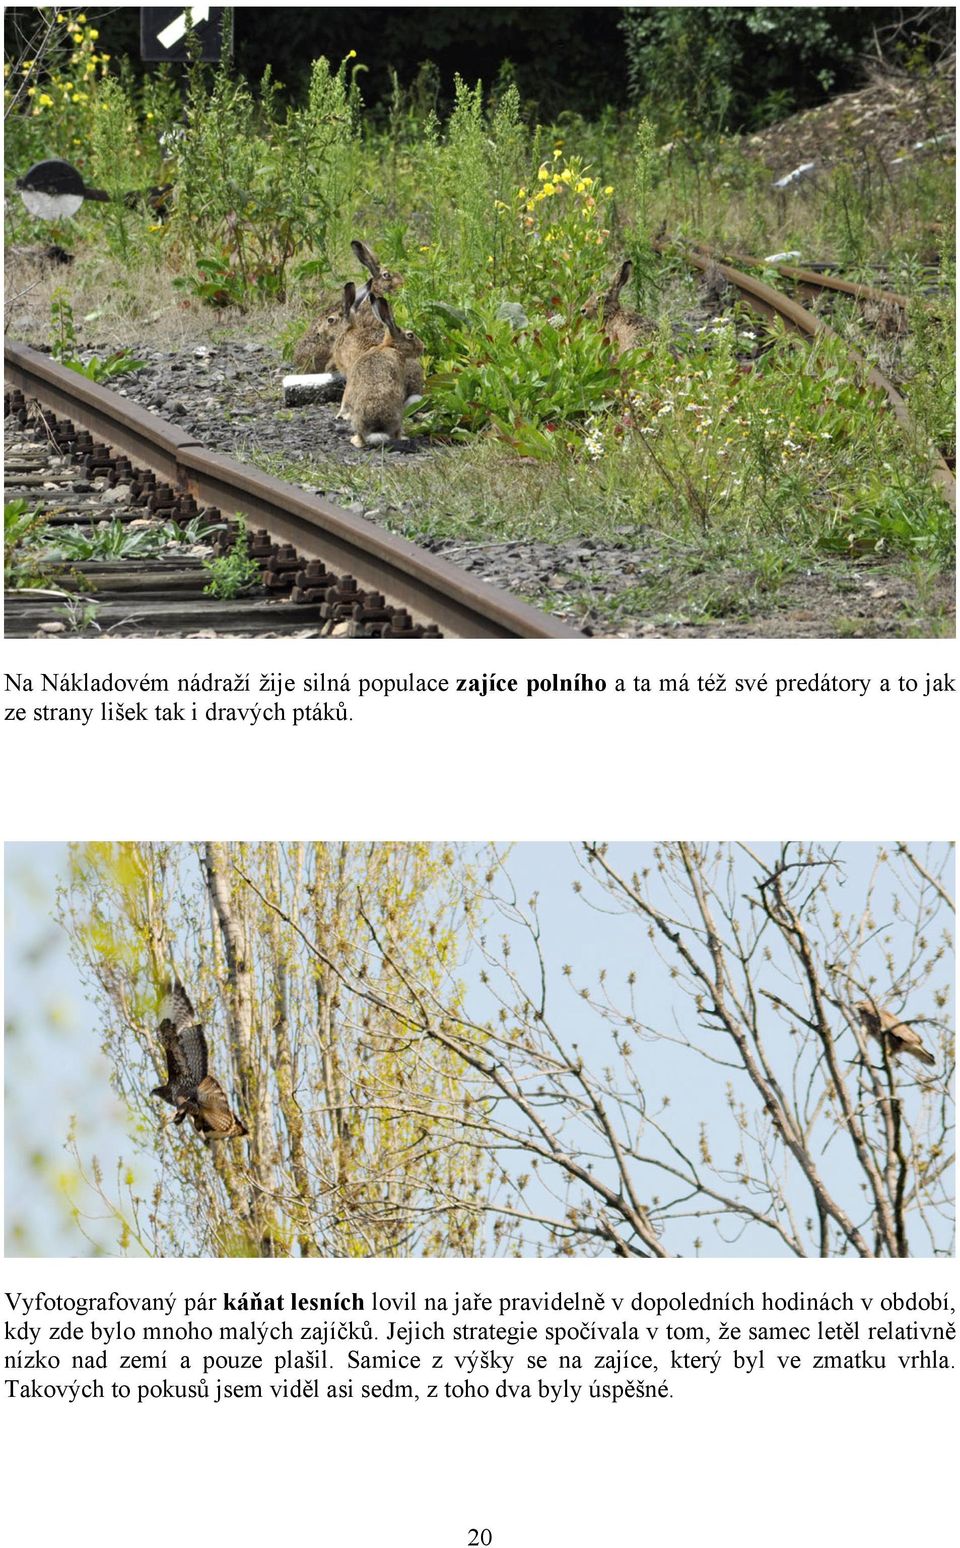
x=891, y=117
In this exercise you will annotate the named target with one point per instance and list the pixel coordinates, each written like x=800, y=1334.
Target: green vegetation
x=21, y=523
x=720, y=67
x=502, y=229
x=79, y=614
x=395, y=1173
x=35, y=550
x=233, y=573
x=63, y=347
x=108, y=540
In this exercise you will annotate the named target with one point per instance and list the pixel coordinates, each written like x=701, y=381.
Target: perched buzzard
x=900, y=1036
x=189, y=1088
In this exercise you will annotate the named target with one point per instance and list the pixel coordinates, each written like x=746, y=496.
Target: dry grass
x=118, y=307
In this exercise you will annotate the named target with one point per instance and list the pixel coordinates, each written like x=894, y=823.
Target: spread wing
x=193, y=1046
x=177, y=1008
x=183, y=1039
x=215, y=1115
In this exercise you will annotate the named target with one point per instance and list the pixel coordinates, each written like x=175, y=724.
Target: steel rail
x=770, y=303
x=432, y=589
x=812, y=279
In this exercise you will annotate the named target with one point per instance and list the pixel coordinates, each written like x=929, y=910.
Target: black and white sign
x=163, y=30
x=52, y=190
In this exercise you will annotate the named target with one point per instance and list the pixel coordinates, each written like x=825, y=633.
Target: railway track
x=768, y=302
x=810, y=282
x=322, y=569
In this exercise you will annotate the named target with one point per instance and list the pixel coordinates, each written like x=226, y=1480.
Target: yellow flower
x=566, y=176
x=543, y=174
x=94, y=34
x=31, y=91
x=81, y=19
x=60, y=16
x=582, y=186
x=557, y=154
x=352, y=54
x=45, y=99
x=608, y=189
x=549, y=188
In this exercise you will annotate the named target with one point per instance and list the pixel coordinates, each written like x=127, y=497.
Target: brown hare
x=624, y=328
x=382, y=282
x=358, y=329
x=314, y=352
x=361, y=329
x=376, y=389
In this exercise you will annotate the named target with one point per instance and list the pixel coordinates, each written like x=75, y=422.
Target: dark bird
x=189, y=1088
x=899, y=1035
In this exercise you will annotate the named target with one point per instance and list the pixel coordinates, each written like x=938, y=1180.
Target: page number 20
x=479, y=1537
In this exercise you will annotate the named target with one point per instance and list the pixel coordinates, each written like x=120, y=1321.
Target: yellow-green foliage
x=559, y=228
x=356, y=1144
x=57, y=106
x=502, y=230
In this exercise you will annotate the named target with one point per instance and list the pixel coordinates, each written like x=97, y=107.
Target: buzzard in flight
x=900, y=1036
x=189, y=1088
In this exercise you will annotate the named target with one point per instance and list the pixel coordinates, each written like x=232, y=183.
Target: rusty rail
x=811, y=279
x=769, y=302
x=430, y=588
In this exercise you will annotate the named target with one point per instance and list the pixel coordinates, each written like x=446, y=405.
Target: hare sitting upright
x=358, y=329
x=382, y=282
x=362, y=329
x=624, y=328
x=376, y=389
x=314, y=352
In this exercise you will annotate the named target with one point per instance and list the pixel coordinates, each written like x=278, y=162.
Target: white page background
x=824, y=1456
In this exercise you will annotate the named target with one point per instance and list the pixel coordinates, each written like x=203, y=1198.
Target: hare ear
x=626, y=269
x=349, y=297
x=364, y=255
x=381, y=307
